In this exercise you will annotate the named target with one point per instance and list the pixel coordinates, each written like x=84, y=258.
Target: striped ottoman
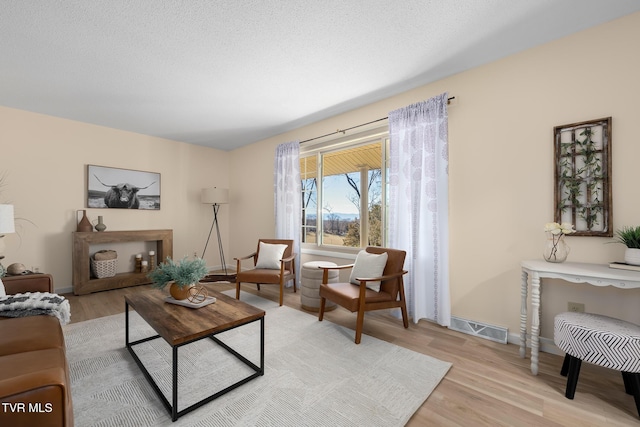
x=600, y=340
x=310, y=284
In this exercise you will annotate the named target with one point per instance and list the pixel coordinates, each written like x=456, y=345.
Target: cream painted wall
x=501, y=174
x=44, y=163
x=501, y=169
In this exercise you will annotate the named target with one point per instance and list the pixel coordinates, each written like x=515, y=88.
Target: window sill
x=331, y=253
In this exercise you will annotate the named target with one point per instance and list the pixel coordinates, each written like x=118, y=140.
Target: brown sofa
x=34, y=375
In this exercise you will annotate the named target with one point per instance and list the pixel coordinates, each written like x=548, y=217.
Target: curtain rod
x=343, y=131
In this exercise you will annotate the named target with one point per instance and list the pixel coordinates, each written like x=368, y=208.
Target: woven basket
x=104, y=268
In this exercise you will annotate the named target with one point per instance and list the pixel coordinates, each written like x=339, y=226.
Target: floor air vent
x=482, y=330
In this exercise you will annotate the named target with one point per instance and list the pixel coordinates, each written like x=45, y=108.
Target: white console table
x=594, y=274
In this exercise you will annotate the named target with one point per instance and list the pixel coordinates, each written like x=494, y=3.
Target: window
x=308, y=174
x=343, y=184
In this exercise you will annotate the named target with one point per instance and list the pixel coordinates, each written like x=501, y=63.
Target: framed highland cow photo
x=116, y=188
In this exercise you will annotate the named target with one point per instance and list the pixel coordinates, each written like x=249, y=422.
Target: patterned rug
x=314, y=375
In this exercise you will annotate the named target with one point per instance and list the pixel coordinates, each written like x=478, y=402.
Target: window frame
x=327, y=146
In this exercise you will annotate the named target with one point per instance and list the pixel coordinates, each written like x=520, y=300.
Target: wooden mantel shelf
x=82, y=281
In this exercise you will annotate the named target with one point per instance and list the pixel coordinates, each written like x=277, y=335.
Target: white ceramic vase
x=632, y=256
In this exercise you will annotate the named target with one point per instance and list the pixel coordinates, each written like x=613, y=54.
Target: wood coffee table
x=179, y=326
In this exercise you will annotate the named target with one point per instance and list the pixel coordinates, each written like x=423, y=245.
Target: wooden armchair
x=360, y=297
x=274, y=267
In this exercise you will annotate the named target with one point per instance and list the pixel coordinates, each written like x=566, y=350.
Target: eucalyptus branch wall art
x=583, y=177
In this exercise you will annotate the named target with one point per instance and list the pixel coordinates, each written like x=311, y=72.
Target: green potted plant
x=630, y=237
x=181, y=275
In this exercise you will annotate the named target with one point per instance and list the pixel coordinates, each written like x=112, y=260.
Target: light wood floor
x=488, y=384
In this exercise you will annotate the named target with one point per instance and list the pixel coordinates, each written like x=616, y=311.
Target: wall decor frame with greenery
x=582, y=192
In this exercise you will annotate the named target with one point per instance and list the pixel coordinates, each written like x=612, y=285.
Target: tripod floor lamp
x=216, y=197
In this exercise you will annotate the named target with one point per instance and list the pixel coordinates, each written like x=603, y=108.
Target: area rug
x=314, y=375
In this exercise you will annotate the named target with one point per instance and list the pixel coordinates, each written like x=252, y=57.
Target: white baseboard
x=546, y=344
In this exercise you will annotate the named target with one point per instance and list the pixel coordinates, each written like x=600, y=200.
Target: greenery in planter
x=183, y=273
x=629, y=236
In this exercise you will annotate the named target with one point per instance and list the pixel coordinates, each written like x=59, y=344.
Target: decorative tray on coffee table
x=187, y=303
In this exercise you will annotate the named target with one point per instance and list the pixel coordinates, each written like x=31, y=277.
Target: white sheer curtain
x=288, y=191
x=418, y=205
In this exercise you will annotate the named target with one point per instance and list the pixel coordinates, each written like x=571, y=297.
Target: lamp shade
x=214, y=196
x=7, y=223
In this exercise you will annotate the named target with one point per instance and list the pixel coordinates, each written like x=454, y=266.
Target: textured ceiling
x=227, y=73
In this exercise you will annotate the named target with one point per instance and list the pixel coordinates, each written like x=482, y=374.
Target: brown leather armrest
x=381, y=278
x=40, y=378
x=246, y=257
x=28, y=283
x=289, y=258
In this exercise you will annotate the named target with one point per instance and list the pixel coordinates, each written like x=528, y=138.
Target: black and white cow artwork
x=122, y=196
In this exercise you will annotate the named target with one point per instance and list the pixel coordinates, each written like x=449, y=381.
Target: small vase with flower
x=556, y=249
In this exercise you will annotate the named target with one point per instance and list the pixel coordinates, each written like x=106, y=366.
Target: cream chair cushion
x=368, y=265
x=269, y=255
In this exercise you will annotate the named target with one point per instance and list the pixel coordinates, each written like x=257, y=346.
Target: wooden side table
x=310, y=285
x=36, y=282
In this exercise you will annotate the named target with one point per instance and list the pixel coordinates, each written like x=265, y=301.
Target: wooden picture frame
x=117, y=188
x=582, y=192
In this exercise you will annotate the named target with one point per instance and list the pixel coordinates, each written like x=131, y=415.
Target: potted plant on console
x=182, y=276
x=630, y=237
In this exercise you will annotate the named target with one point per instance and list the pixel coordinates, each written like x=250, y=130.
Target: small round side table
x=310, y=285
